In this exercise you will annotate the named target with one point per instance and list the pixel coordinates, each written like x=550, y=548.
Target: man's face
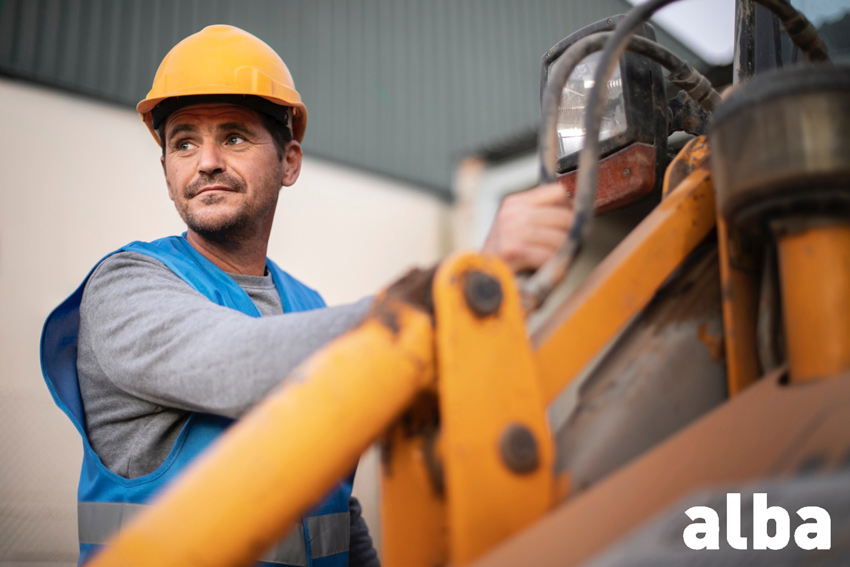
x=223, y=171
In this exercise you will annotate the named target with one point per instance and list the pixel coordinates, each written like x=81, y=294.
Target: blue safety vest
x=107, y=500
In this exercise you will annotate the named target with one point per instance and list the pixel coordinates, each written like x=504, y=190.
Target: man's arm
x=361, y=552
x=158, y=339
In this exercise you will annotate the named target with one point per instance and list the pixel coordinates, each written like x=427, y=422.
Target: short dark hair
x=281, y=134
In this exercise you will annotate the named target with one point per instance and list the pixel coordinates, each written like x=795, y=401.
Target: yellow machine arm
x=442, y=373
x=243, y=495
x=471, y=463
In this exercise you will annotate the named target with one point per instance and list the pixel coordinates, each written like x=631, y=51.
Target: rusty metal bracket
x=498, y=451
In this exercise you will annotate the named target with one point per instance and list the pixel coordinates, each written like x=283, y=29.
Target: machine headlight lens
x=573, y=104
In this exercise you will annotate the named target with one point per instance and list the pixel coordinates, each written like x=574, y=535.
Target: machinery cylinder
x=814, y=267
x=781, y=146
x=781, y=163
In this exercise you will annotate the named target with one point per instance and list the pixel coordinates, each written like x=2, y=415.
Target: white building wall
x=80, y=178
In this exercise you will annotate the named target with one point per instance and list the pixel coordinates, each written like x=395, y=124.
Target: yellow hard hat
x=224, y=60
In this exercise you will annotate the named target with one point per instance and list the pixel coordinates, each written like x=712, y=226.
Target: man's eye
x=185, y=145
x=233, y=140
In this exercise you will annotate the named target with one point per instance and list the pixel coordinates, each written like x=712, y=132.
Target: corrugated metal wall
x=396, y=87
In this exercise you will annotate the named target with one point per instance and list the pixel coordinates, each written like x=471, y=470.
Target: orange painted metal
x=279, y=460
x=770, y=430
x=814, y=267
x=488, y=388
x=739, y=288
x=413, y=511
x=624, y=177
x=624, y=282
x=693, y=155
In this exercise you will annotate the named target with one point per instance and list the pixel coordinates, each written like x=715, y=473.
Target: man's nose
x=211, y=158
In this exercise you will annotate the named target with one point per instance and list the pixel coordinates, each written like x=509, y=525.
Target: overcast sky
x=706, y=26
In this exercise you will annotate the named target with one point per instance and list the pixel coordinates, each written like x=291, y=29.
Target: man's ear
x=291, y=163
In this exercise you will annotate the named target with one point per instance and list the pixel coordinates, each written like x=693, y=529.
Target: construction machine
x=712, y=345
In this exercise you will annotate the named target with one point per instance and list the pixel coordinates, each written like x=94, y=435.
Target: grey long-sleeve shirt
x=152, y=350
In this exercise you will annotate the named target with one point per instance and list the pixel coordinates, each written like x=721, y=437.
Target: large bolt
x=519, y=449
x=483, y=293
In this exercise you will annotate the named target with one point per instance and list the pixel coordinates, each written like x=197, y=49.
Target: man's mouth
x=212, y=188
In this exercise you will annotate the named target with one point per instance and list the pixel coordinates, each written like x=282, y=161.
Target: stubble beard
x=231, y=228
x=243, y=223
x=234, y=227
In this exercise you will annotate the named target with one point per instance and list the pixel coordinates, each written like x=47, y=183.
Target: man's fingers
x=530, y=249
x=530, y=227
x=549, y=194
x=525, y=214
x=549, y=217
x=547, y=238
x=531, y=259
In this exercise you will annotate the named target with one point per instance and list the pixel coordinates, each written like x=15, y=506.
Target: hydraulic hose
x=682, y=74
x=799, y=29
x=539, y=286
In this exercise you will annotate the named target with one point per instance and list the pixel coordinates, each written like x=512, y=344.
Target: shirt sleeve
x=361, y=552
x=157, y=338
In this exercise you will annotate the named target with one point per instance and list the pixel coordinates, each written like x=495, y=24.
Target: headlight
x=633, y=134
x=574, y=102
x=636, y=107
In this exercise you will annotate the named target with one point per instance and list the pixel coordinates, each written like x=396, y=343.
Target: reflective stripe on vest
x=329, y=533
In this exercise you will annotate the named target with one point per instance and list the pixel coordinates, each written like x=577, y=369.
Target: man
x=165, y=343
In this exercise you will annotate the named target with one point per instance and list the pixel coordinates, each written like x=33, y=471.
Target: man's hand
x=530, y=227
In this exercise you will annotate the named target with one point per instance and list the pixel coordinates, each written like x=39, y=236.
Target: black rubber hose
x=681, y=74
x=799, y=29
x=538, y=286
